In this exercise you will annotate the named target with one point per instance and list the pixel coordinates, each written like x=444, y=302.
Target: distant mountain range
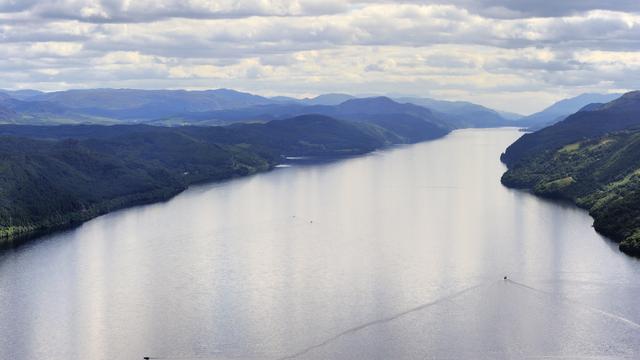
x=21, y=94
x=224, y=106
x=563, y=108
x=467, y=114
x=593, y=121
x=591, y=158
x=221, y=106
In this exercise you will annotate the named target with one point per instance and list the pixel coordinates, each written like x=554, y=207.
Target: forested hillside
x=57, y=176
x=593, y=159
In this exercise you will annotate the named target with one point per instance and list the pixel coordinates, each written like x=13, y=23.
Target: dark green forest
x=592, y=159
x=53, y=177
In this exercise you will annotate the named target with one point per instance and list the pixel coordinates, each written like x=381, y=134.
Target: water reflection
x=267, y=266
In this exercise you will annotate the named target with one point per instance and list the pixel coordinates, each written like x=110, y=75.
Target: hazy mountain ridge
x=184, y=100
x=470, y=114
x=210, y=107
x=21, y=94
x=225, y=106
x=590, y=158
x=324, y=99
x=357, y=109
x=619, y=114
x=563, y=108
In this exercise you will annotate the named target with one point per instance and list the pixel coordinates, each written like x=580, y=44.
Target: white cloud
x=495, y=51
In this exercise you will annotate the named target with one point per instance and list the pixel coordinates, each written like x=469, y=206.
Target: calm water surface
x=399, y=254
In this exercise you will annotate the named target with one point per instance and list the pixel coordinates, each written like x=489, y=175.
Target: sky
x=514, y=55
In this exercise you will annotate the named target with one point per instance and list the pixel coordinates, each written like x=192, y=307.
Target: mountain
x=510, y=115
x=590, y=158
x=181, y=100
x=7, y=115
x=363, y=110
x=324, y=99
x=44, y=113
x=562, y=109
x=373, y=108
x=131, y=104
x=284, y=100
x=54, y=184
x=591, y=107
x=413, y=123
x=377, y=105
x=328, y=99
x=21, y=94
x=310, y=135
x=224, y=106
x=619, y=114
x=468, y=114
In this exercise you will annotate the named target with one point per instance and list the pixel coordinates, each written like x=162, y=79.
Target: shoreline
x=12, y=241
x=36, y=232
x=8, y=242
x=611, y=236
x=15, y=240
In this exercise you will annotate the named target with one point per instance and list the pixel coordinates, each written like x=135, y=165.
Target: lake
x=399, y=254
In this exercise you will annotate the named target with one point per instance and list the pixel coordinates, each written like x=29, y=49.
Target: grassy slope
x=601, y=174
x=591, y=158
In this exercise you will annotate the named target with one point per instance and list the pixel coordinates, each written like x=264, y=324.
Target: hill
x=53, y=184
x=379, y=110
x=121, y=99
x=21, y=94
x=590, y=158
x=223, y=106
x=563, y=108
x=324, y=99
x=444, y=114
x=616, y=115
x=7, y=115
x=132, y=104
x=57, y=176
x=468, y=114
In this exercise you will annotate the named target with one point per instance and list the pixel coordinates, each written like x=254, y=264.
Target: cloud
x=11, y=6
x=127, y=11
x=382, y=66
x=491, y=50
x=536, y=8
x=513, y=9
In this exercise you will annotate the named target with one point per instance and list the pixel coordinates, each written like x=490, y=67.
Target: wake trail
x=433, y=303
x=568, y=300
x=381, y=321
